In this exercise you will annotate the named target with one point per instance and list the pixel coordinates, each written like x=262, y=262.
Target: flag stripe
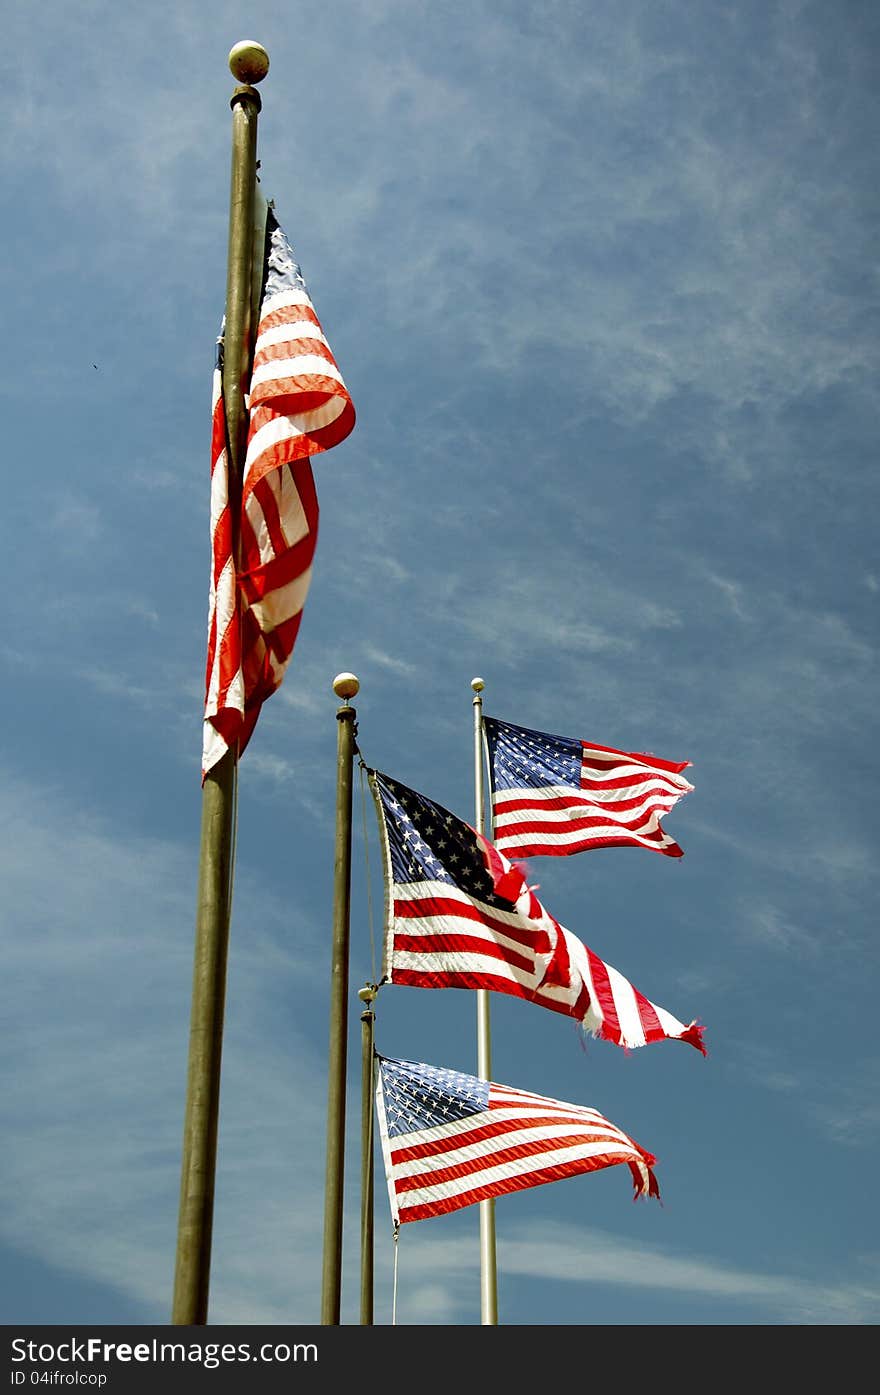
x=470, y=1147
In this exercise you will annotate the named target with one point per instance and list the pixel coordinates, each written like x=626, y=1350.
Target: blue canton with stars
x=422, y=1097
x=282, y=269
x=518, y=756
x=427, y=843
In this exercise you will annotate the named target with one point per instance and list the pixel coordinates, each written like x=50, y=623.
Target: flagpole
x=367, y=995
x=249, y=63
x=345, y=686
x=488, y=1267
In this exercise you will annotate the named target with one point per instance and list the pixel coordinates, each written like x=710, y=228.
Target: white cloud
x=101, y=958
x=552, y=1251
x=390, y=662
x=775, y=930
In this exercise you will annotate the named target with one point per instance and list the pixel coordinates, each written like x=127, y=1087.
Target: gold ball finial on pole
x=345, y=685
x=248, y=61
x=477, y=684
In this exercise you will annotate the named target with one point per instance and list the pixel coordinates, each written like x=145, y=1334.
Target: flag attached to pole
x=552, y=795
x=298, y=405
x=450, y=1140
x=458, y=914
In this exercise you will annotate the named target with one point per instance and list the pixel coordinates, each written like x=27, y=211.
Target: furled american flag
x=554, y=795
x=460, y=915
x=450, y=1140
x=298, y=405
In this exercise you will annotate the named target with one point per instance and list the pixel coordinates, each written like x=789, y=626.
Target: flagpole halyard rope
x=394, y=1284
x=233, y=839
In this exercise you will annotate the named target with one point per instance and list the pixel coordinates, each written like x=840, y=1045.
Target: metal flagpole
x=249, y=63
x=345, y=685
x=488, y=1268
x=367, y=995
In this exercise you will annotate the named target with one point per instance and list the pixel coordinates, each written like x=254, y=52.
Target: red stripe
x=422, y=978
x=676, y=767
x=648, y=1018
x=286, y=315
x=299, y=346
x=300, y=473
x=651, y=783
x=570, y=803
x=575, y=823
x=558, y=973
x=283, y=638
x=450, y=942
x=650, y=1022
x=508, y=881
x=279, y=571
x=298, y=444
x=604, y=998
x=212, y=646
x=538, y=849
x=254, y=539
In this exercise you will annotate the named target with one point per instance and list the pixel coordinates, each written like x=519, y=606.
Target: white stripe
x=289, y=330
x=294, y=523
x=627, y=760
x=214, y=748
x=223, y=608
x=219, y=490
x=508, y=1096
x=468, y=961
x=283, y=603
x=273, y=303
x=447, y=963
x=647, y=791
x=297, y=366
x=558, y=822
x=424, y=890
x=509, y=842
x=671, y=1025
x=288, y=428
x=621, y=991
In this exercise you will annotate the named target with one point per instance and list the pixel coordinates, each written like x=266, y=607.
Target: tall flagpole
x=488, y=1268
x=345, y=686
x=249, y=63
x=367, y=995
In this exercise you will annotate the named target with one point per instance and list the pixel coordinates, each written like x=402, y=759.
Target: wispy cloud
x=775, y=930
x=395, y=665
x=101, y=959
x=577, y=1254
x=842, y=1109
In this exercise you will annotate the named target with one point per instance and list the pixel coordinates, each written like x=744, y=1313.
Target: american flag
x=298, y=405
x=450, y=1140
x=460, y=915
x=554, y=795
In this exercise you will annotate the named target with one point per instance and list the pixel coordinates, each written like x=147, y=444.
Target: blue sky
x=602, y=283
